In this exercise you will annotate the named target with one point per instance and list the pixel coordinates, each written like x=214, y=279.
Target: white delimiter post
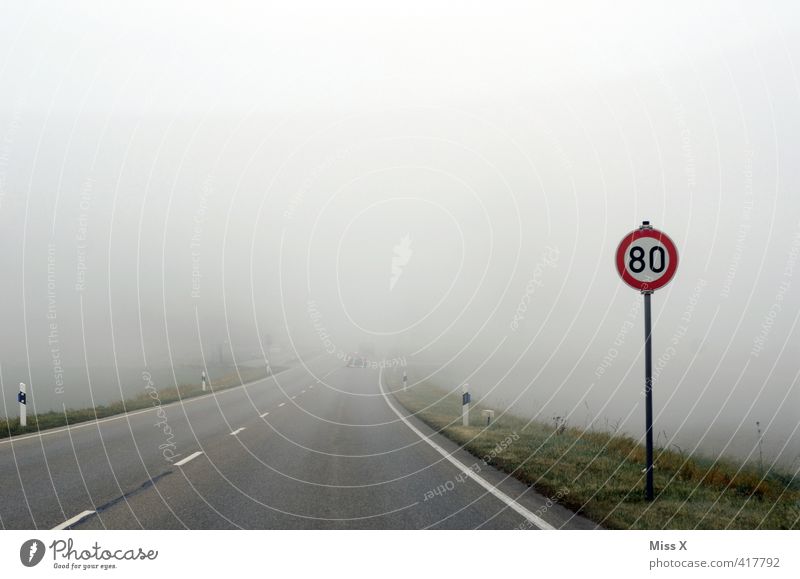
x=23, y=405
x=465, y=399
x=203, y=380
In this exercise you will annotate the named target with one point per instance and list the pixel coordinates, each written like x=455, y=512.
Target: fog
x=185, y=187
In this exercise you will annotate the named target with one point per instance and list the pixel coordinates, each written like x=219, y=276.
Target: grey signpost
x=646, y=260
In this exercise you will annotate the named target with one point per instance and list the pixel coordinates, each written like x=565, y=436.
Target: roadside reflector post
x=465, y=400
x=405, y=380
x=488, y=416
x=646, y=260
x=203, y=380
x=22, y=398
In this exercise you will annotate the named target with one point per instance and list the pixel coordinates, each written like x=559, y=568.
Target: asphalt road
x=316, y=447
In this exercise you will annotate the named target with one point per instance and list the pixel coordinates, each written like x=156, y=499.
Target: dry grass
x=602, y=472
x=46, y=420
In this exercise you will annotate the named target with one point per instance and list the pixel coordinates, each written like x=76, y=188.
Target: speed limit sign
x=646, y=259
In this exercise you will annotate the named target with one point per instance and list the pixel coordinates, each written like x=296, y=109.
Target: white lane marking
x=303, y=392
x=497, y=493
x=73, y=521
x=293, y=397
x=263, y=415
x=238, y=430
x=312, y=386
x=188, y=458
x=281, y=404
x=184, y=402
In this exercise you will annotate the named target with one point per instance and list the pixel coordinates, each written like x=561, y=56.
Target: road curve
x=321, y=446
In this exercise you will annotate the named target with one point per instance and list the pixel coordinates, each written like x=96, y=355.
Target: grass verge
x=53, y=419
x=600, y=474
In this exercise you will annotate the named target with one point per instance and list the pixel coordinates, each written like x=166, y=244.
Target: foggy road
x=315, y=447
x=352, y=266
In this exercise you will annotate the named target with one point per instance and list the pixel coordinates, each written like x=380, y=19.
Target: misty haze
x=339, y=196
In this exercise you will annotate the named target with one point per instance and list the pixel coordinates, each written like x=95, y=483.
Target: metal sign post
x=648, y=396
x=646, y=260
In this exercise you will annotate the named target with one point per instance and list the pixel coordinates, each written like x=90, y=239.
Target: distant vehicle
x=356, y=360
x=367, y=349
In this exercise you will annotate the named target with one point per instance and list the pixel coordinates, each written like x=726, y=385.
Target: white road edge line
x=497, y=493
x=74, y=520
x=185, y=401
x=238, y=430
x=188, y=458
x=263, y=415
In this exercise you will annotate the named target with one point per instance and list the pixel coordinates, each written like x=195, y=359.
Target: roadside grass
x=600, y=474
x=53, y=419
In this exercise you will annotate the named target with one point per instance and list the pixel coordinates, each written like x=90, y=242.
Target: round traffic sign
x=646, y=259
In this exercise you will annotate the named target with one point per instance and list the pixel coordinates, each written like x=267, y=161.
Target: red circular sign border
x=671, y=250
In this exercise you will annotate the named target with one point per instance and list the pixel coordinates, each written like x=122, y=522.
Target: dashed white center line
x=303, y=392
x=263, y=415
x=293, y=397
x=238, y=430
x=74, y=520
x=188, y=458
x=312, y=386
x=281, y=404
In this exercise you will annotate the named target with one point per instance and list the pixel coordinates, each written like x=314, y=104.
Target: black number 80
x=637, y=264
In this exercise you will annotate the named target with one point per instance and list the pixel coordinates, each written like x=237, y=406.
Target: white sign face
x=646, y=259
